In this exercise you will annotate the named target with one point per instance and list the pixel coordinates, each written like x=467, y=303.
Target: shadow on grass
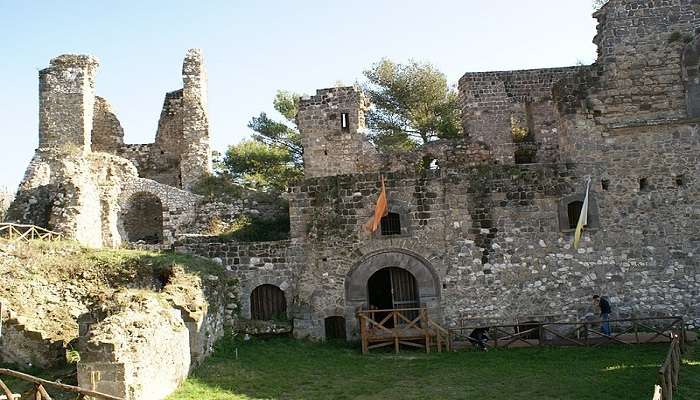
x=288, y=369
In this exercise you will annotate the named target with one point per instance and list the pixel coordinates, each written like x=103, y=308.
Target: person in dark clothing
x=479, y=337
x=605, y=309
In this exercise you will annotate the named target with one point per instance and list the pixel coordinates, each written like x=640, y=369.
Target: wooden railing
x=407, y=326
x=667, y=380
x=39, y=392
x=17, y=232
x=582, y=333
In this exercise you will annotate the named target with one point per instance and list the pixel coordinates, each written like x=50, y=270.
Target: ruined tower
x=195, y=159
x=66, y=102
x=58, y=191
x=332, y=125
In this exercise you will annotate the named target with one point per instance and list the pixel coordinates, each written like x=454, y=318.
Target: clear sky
x=254, y=48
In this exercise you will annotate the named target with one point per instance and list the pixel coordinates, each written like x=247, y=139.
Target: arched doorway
x=392, y=287
x=423, y=287
x=267, y=303
x=143, y=220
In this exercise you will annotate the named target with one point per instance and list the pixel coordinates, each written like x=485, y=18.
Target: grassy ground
x=288, y=369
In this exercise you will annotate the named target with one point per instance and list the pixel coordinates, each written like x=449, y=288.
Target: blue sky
x=253, y=48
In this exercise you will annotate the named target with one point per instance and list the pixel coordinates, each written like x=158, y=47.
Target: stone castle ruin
x=487, y=233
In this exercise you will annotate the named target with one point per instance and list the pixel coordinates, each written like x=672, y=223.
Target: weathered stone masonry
x=489, y=234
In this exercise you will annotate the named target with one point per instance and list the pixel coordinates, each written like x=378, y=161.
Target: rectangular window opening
x=605, y=184
x=391, y=224
x=680, y=180
x=345, y=121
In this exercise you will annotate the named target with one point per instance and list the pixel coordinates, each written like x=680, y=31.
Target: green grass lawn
x=289, y=369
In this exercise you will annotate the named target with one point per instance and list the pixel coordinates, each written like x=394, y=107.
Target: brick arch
x=427, y=281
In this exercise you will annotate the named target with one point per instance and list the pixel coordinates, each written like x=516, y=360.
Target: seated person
x=479, y=337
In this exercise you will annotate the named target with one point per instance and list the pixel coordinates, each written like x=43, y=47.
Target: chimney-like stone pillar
x=66, y=103
x=195, y=161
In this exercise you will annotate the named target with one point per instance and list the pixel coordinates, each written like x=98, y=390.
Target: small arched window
x=391, y=224
x=267, y=303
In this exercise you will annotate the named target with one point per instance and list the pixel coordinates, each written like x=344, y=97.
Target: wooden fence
x=583, y=333
x=17, y=232
x=405, y=326
x=39, y=392
x=667, y=380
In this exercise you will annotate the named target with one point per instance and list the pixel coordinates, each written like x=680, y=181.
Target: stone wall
x=195, y=159
x=107, y=132
x=66, y=102
x=331, y=148
x=513, y=110
x=252, y=264
x=142, y=346
x=640, y=45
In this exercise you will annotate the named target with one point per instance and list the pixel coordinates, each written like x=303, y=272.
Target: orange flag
x=380, y=211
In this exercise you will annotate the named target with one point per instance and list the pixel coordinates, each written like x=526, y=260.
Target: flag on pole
x=380, y=211
x=583, y=218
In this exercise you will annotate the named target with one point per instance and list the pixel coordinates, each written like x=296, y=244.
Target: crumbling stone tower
x=332, y=125
x=58, y=191
x=66, y=102
x=195, y=160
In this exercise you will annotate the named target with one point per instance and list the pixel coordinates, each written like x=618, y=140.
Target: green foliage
x=248, y=228
x=261, y=166
x=680, y=37
x=72, y=356
x=218, y=187
x=413, y=105
x=274, y=157
x=290, y=369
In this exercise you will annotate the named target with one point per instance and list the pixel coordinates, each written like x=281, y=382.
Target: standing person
x=604, y=305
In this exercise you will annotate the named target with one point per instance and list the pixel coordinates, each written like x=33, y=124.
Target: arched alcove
x=143, y=218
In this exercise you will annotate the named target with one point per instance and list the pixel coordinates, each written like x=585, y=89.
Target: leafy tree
x=274, y=157
x=280, y=134
x=412, y=105
x=261, y=165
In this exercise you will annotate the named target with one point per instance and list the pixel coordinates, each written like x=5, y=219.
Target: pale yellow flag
x=582, y=218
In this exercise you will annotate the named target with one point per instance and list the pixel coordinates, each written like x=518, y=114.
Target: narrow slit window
x=391, y=224
x=345, y=121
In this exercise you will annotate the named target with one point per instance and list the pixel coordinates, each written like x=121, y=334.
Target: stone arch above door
x=427, y=281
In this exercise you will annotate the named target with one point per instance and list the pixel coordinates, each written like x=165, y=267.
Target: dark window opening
x=335, y=328
x=525, y=155
x=574, y=211
x=643, y=184
x=325, y=152
x=267, y=303
x=605, y=184
x=391, y=224
x=345, y=121
x=680, y=180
